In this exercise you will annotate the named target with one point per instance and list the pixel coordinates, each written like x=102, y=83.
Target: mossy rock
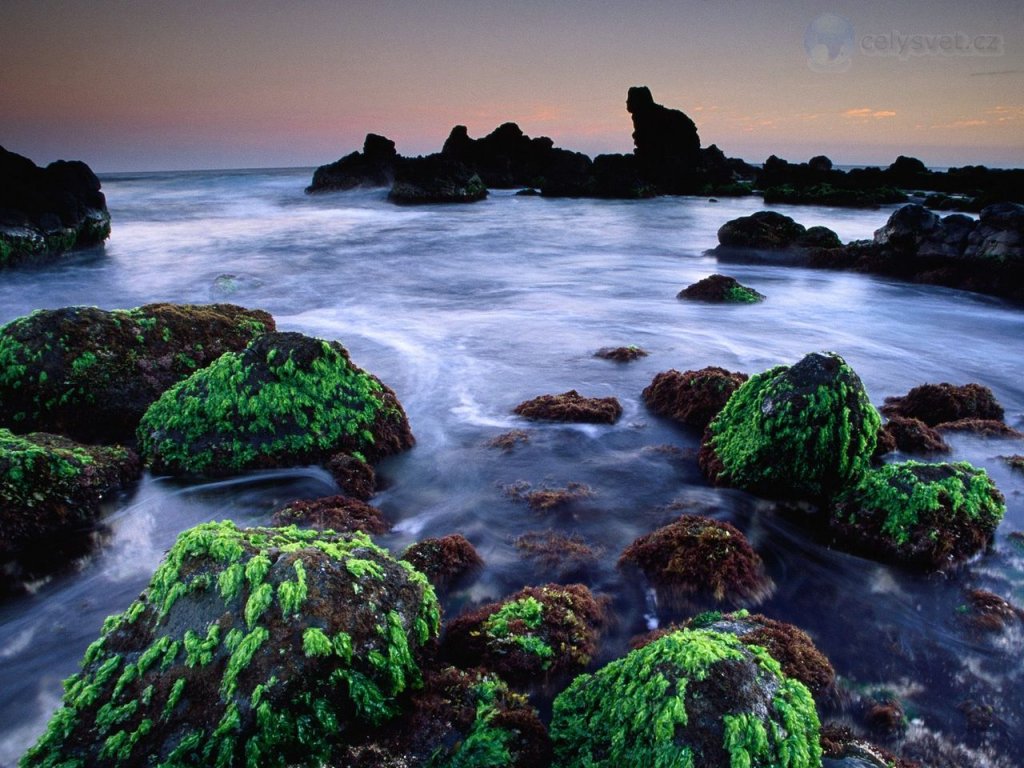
x=90, y=373
x=50, y=494
x=537, y=634
x=700, y=559
x=721, y=289
x=693, y=398
x=930, y=516
x=461, y=719
x=286, y=400
x=691, y=699
x=803, y=431
x=263, y=646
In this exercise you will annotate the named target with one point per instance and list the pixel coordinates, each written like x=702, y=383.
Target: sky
x=179, y=84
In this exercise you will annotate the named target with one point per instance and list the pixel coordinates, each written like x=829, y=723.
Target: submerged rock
x=571, y=406
x=803, y=431
x=721, y=289
x=621, y=354
x=693, y=697
x=286, y=400
x=693, y=398
x=537, y=634
x=932, y=516
x=91, y=373
x=698, y=558
x=335, y=513
x=914, y=436
x=50, y=494
x=444, y=561
x=47, y=211
x=261, y=646
x=939, y=403
x=435, y=179
x=982, y=427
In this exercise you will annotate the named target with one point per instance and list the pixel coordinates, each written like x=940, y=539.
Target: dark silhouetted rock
x=333, y=513
x=374, y=167
x=571, y=406
x=693, y=398
x=667, y=146
x=999, y=234
x=939, y=403
x=764, y=229
x=914, y=436
x=818, y=237
x=435, y=179
x=47, y=211
x=444, y=561
x=721, y=289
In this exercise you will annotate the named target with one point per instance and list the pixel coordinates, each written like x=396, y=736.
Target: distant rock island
x=667, y=159
x=45, y=212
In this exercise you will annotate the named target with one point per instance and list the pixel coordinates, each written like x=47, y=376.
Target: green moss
x=486, y=745
x=633, y=712
x=31, y=471
x=740, y=294
x=316, y=643
x=293, y=593
x=514, y=623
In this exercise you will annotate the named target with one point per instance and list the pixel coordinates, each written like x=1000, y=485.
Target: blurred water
x=465, y=311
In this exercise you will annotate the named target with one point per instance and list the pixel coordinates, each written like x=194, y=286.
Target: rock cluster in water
x=45, y=212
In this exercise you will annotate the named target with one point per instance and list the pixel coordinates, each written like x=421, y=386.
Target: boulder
x=286, y=400
x=374, y=167
x=50, y=494
x=931, y=516
x=332, y=513
x=91, y=373
x=693, y=398
x=720, y=289
x=666, y=143
x=697, y=559
x=999, y=234
x=804, y=431
x=435, y=179
x=263, y=646
x=537, y=634
x=47, y=211
x=765, y=230
x=938, y=403
x=907, y=228
x=914, y=436
x=571, y=406
x=444, y=561
x=693, y=697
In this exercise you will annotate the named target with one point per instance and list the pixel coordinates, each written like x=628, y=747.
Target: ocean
x=465, y=311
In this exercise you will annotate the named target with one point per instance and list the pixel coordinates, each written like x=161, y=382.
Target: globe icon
x=828, y=41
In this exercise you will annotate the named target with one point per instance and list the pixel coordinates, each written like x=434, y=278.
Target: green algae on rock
x=721, y=289
x=932, y=516
x=801, y=431
x=536, y=634
x=287, y=399
x=91, y=373
x=691, y=699
x=263, y=646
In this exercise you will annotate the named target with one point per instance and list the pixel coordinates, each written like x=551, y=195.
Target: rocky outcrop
x=286, y=400
x=435, y=179
x=936, y=404
x=90, y=373
x=373, y=167
x=45, y=212
x=444, y=561
x=768, y=230
x=666, y=143
x=693, y=398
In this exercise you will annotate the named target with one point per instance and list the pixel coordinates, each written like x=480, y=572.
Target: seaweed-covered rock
x=931, y=516
x=691, y=698
x=286, y=400
x=50, y=493
x=355, y=477
x=536, y=634
x=938, y=403
x=693, y=398
x=804, y=431
x=435, y=179
x=621, y=354
x=335, y=513
x=571, y=406
x=461, y=719
x=721, y=289
x=47, y=211
x=914, y=436
x=444, y=561
x=764, y=229
x=91, y=373
x=700, y=558
x=265, y=646
x=982, y=427
x=373, y=167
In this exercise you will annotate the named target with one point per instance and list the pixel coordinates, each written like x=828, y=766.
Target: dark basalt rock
x=939, y=403
x=764, y=229
x=435, y=179
x=91, y=373
x=536, y=635
x=374, y=167
x=693, y=398
x=47, y=211
x=667, y=146
x=696, y=559
x=914, y=436
x=334, y=513
x=50, y=494
x=721, y=289
x=571, y=406
x=444, y=561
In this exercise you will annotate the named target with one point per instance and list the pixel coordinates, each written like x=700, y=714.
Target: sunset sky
x=181, y=84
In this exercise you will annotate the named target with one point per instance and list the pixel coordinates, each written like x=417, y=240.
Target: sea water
x=465, y=311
